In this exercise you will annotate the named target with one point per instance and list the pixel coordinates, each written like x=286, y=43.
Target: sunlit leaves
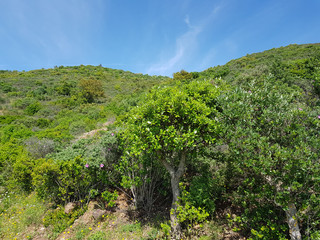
x=175, y=118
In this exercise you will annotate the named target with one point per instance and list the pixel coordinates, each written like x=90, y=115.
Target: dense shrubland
x=235, y=146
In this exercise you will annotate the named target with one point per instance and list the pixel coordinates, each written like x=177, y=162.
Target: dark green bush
x=202, y=192
x=33, y=108
x=6, y=87
x=14, y=132
x=64, y=88
x=2, y=100
x=43, y=123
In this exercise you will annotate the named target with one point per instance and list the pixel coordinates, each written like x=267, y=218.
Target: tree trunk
x=175, y=179
x=291, y=213
x=175, y=225
x=292, y=220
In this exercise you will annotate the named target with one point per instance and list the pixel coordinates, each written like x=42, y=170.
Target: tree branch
x=165, y=163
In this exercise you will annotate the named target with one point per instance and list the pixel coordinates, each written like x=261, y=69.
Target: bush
x=73, y=173
x=64, y=88
x=44, y=179
x=188, y=215
x=39, y=148
x=204, y=190
x=263, y=223
x=91, y=89
x=6, y=87
x=110, y=197
x=43, y=123
x=22, y=169
x=63, y=181
x=15, y=167
x=23, y=103
x=2, y=100
x=182, y=76
x=58, y=220
x=33, y=108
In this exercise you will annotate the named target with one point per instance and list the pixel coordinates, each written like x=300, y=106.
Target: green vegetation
x=232, y=151
x=174, y=125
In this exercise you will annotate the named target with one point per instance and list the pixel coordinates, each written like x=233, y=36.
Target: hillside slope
x=58, y=145
x=295, y=65
x=71, y=100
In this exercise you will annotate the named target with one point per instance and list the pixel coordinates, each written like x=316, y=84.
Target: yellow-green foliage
x=91, y=89
x=58, y=220
x=62, y=181
x=15, y=167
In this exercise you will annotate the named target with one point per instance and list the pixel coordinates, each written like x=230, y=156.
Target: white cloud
x=185, y=47
x=187, y=21
x=184, y=44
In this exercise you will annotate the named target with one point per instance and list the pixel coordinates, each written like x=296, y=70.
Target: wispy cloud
x=184, y=43
x=187, y=21
x=185, y=46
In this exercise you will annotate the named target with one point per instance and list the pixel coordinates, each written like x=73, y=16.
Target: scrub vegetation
x=232, y=152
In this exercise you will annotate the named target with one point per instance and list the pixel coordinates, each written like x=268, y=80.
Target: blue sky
x=156, y=37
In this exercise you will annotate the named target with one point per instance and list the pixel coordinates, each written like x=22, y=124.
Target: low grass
x=17, y=213
x=21, y=217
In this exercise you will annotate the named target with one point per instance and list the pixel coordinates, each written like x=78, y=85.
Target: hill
x=89, y=137
x=71, y=100
x=295, y=65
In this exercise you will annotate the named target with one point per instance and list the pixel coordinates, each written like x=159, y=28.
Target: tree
x=174, y=124
x=182, y=75
x=91, y=89
x=274, y=140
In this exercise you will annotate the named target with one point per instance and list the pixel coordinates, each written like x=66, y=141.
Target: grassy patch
x=17, y=213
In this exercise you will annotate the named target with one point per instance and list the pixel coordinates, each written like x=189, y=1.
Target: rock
x=93, y=205
x=69, y=207
x=98, y=213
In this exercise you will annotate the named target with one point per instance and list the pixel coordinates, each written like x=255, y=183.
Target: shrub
x=63, y=181
x=58, y=220
x=6, y=87
x=22, y=169
x=39, y=148
x=202, y=193
x=15, y=167
x=91, y=89
x=43, y=123
x=64, y=88
x=2, y=100
x=14, y=132
x=182, y=76
x=23, y=103
x=75, y=174
x=110, y=197
x=188, y=215
x=44, y=179
x=33, y=108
